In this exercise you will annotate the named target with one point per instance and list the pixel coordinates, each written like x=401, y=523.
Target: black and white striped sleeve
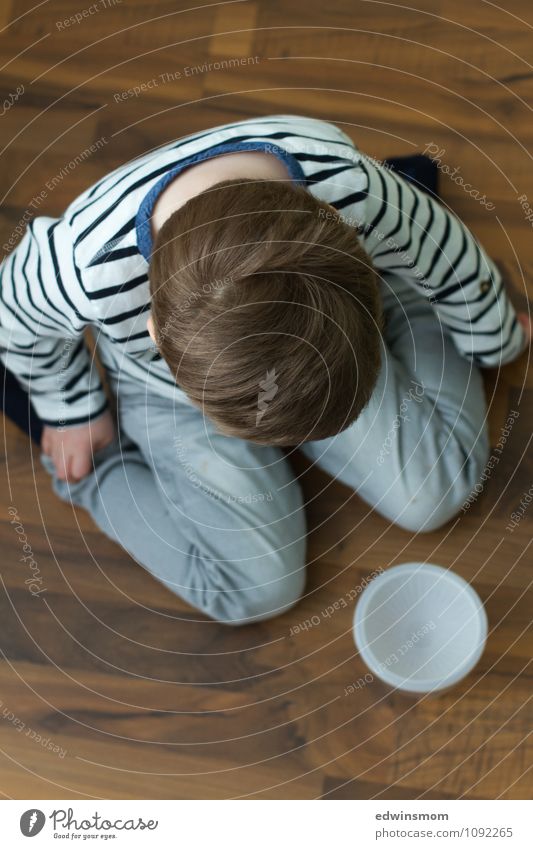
x=407, y=232
x=43, y=314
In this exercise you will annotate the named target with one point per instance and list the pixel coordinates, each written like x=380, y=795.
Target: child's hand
x=72, y=449
x=525, y=321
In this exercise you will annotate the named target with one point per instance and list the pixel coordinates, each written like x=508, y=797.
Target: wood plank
x=146, y=697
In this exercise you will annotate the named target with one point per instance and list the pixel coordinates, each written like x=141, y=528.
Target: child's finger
x=60, y=463
x=79, y=466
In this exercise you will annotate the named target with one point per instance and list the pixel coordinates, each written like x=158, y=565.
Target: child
x=296, y=293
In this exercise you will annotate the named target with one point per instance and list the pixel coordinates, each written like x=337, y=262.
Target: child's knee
x=443, y=496
x=278, y=586
x=423, y=515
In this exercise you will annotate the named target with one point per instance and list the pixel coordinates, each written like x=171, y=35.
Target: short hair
x=267, y=311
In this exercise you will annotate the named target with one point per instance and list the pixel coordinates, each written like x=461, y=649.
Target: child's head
x=267, y=311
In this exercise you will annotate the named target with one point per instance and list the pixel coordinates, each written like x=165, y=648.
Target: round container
x=420, y=627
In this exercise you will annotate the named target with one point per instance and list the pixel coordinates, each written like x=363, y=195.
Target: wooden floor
x=133, y=694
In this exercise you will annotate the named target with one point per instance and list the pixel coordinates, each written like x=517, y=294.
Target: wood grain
x=146, y=697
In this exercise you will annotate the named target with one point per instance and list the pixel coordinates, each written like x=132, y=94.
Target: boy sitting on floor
x=258, y=285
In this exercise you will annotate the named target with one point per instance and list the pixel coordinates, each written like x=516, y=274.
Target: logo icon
x=32, y=822
x=270, y=389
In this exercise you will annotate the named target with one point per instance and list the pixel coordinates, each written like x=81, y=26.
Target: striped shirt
x=89, y=268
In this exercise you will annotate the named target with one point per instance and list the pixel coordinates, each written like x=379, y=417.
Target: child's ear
x=150, y=326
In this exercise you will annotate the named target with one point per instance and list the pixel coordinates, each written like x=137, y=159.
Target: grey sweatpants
x=220, y=521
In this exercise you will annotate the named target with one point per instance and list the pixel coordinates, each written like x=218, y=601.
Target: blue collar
x=144, y=213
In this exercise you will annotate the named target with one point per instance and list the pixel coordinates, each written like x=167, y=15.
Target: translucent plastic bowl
x=419, y=627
